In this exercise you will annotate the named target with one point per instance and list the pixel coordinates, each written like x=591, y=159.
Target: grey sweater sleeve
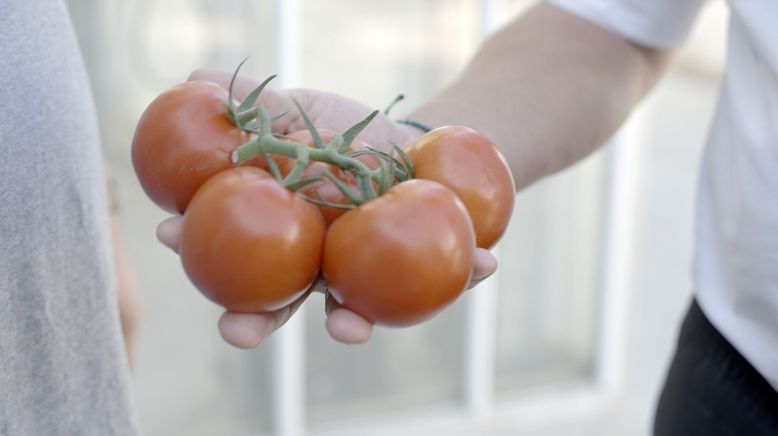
x=62, y=365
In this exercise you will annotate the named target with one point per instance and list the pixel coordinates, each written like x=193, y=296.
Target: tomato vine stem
x=256, y=120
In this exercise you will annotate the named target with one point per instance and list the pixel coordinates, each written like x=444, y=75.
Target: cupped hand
x=327, y=111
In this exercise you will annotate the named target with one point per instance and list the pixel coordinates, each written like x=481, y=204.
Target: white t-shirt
x=736, y=247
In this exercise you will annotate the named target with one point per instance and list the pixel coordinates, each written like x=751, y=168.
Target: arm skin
x=128, y=297
x=548, y=89
x=127, y=293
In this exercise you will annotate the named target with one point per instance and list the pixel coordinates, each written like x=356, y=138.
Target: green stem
x=269, y=144
x=296, y=174
x=266, y=144
x=273, y=166
x=344, y=189
x=329, y=204
x=243, y=118
x=366, y=186
x=396, y=100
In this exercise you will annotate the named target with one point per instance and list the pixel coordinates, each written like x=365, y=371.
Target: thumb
x=248, y=330
x=275, y=102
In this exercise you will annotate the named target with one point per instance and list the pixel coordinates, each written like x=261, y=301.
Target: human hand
x=127, y=293
x=326, y=111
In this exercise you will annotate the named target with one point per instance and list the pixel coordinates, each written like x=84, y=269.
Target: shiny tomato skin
x=248, y=243
x=470, y=165
x=183, y=138
x=401, y=258
x=325, y=189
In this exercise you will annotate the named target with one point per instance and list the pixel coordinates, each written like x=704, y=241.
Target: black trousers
x=711, y=390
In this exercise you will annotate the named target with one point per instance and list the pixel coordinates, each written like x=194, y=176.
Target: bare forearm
x=547, y=89
x=127, y=289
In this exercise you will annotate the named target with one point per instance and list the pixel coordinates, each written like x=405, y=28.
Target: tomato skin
x=470, y=165
x=248, y=243
x=401, y=258
x=325, y=188
x=183, y=138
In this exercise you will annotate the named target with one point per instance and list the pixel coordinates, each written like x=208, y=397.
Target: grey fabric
x=62, y=365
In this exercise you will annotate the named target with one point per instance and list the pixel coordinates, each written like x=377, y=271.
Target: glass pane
x=398, y=370
x=374, y=50
x=548, y=273
x=548, y=280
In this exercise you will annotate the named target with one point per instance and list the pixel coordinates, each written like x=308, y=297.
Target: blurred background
x=571, y=337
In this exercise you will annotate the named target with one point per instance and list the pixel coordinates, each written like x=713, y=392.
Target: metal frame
x=289, y=342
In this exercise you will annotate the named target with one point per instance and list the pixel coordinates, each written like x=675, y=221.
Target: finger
x=345, y=326
x=245, y=330
x=275, y=102
x=169, y=232
x=242, y=87
x=484, y=265
x=248, y=330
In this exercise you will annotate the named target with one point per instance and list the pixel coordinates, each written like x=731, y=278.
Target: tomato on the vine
x=183, y=138
x=470, y=165
x=248, y=243
x=399, y=259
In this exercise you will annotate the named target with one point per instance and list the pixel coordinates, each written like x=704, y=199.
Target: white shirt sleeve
x=652, y=23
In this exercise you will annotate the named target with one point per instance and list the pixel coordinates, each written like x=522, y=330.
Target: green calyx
x=370, y=183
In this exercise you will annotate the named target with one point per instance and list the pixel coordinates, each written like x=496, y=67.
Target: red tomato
x=248, y=243
x=401, y=258
x=325, y=188
x=470, y=165
x=183, y=138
